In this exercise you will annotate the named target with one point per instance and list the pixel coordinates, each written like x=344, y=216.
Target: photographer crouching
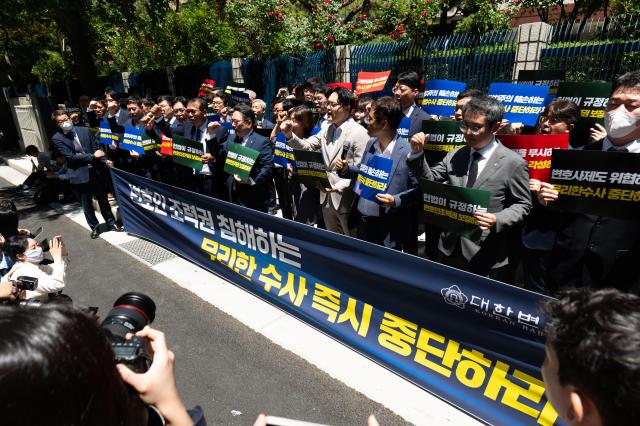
x=28, y=255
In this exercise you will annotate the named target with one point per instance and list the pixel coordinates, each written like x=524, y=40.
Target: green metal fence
x=597, y=49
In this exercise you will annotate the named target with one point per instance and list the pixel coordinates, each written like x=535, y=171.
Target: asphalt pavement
x=222, y=365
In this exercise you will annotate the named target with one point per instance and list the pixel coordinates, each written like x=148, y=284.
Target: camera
x=131, y=312
x=26, y=283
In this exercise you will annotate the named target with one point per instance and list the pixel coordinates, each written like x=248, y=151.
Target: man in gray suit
x=385, y=221
x=483, y=164
x=344, y=139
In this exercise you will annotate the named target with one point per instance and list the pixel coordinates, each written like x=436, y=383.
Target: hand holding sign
x=485, y=220
x=386, y=200
x=547, y=194
x=341, y=165
x=207, y=157
x=597, y=132
x=213, y=126
x=286, y=127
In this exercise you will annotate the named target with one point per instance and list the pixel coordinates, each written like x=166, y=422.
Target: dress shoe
x=116, y=227
x=94, y=233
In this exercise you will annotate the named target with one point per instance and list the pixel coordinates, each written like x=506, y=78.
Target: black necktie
x=196, y=133
x=473, y=170
x=618, y=149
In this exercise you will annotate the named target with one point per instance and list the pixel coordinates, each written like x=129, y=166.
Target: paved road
x=221, y=365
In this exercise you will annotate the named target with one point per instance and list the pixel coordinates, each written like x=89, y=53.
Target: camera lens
x=130, y=313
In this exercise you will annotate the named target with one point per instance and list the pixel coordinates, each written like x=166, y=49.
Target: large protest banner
x=536, y=150
x=523, y=103
x=451, y=207
x=592, y=100
x=185, y=152
x=440, y=96
x=471, y=341
x=596, y=182
x=371, y=81
x=240, y=160
x=444, y=136
x=311, y=168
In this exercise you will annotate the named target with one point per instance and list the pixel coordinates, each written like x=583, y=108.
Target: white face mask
x=620, y=124
x=34, y=256
x=67, y=126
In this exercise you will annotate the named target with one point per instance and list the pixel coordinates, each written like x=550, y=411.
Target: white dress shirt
x=485, y=152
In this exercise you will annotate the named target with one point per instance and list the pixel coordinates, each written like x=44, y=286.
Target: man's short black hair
x=113, y=94
x=389, y=109
x=247, y=113
x=148, y=102
x=136, y=101
x=202, y=104
x=167, y=98
x=345, y=97
x=180, y=99
x=596, y=337
x=410, y=79
x=311, y=82
x=469, y=93
x=31, y=150
x=322, y=88
x=630, y=80
x=491, y=108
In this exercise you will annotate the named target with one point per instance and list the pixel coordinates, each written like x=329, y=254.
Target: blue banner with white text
x=373, y=177
x=523, y=103
x=132, y=140
x=440, y=96
x=470, y=341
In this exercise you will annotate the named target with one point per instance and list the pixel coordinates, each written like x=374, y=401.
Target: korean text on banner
x=187, y=153
x=282, y=153
x=105, y=136
x=536, y=150
x=523, y=103
x=240, y=160
x=473, y=342
x=167, y=146
x=451, y=207
x=371, y=81
x=373, y=177
x=311, y=168
x=403, y=129
x=132, y=140
x=440, y=96
x=592, y=100
x=444, y=136
x=596, y=182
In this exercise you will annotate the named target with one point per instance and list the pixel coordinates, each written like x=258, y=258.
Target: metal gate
x=29, y=123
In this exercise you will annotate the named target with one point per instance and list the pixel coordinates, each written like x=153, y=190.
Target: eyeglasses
x=474, y=130
x=551, y=120
x=334, y=104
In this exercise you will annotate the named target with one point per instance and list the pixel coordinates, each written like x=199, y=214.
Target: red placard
x=371, y=81
x=335, y=85
x=167, y=146
x=536, y=150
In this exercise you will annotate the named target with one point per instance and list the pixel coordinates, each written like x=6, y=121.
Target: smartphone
x=281, y=421
x=45, y=245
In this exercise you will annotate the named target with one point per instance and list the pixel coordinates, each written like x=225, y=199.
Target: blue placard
x=440, y=96
x=282, y=153
x=213, y=117
x=132, y=140
x=403, y=129
x=105, y=136
x=227, y=125
x=373, y=177
x=523, y=103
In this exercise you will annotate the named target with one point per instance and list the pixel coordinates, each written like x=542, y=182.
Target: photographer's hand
x=7, y=291
x=157, y=386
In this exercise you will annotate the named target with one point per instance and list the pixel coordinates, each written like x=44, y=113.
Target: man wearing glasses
x=483, y=164
x=405, y=91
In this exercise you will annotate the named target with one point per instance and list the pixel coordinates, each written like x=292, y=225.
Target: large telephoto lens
x=130, y=313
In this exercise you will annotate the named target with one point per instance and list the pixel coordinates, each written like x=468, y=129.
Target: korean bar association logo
x=454, y=296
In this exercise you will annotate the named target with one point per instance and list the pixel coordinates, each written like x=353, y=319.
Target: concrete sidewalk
x=338, y=361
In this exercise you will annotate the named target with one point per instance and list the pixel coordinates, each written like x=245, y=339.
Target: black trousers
x=85, y=193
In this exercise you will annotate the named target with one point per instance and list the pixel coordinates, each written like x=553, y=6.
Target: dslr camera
x=131, y=312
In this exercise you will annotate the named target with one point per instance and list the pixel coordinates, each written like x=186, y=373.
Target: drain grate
x=149, y=252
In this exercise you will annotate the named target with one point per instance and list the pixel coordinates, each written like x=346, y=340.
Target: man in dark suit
x=483, y=164
x=406, y=90
x=259, y=108
x=254, y=192
x=600, y=251
x=385, y=222
x=88, y=165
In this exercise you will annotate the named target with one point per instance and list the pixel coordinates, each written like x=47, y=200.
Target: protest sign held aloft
x=187, y=152
x=536, y=150
x=282, y=153
x=451, y=207
x=444, y=136
x=440, y=96
x=523, y=103
x=551, y=78
x=592, y=99
x=132, y=140
x=240, y=160
x=597, y=182
x=373, y=177
x=105, y=136
x=371, y=81
x=311, y=168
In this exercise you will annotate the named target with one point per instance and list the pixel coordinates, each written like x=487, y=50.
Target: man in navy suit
x=88, y=167
x=253, y=193
x=386, y=221
x=406, y=90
